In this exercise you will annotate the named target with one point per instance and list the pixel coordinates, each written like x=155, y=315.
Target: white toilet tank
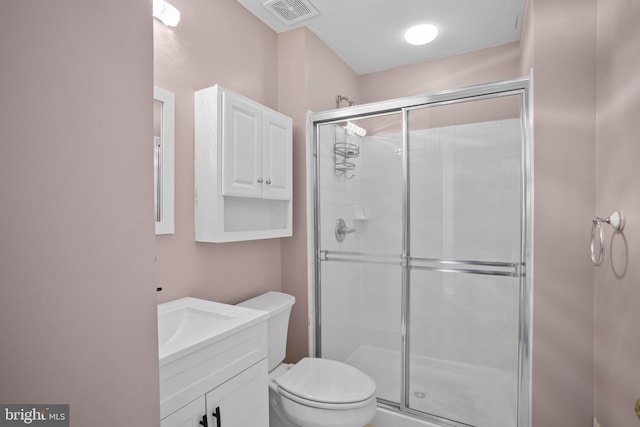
x=278, y=305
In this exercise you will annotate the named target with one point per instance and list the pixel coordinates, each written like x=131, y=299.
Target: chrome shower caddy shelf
x=344, y=152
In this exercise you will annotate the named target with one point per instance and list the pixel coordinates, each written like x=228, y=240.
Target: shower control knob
x=342, y=230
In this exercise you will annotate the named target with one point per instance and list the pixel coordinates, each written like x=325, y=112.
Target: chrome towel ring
x=616, y=220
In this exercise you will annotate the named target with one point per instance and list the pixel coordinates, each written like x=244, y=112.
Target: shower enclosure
x=421, y=251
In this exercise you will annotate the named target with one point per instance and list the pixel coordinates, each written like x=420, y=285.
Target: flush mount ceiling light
x=421, y=34
x=165, y=12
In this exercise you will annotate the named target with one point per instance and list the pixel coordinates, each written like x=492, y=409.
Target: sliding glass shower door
x=465, y=250
x=362, y=184
x=421, y=250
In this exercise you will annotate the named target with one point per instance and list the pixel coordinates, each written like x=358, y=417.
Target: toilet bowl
x=323, y=393
x=314, y=392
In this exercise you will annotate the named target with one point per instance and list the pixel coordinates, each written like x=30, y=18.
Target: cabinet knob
x=260, y=180
x=268, y=181
x=204, y=421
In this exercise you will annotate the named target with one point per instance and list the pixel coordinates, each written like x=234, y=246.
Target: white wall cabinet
x=277, y=156
x=243, y=168
x=239, y=402
x=241, y=147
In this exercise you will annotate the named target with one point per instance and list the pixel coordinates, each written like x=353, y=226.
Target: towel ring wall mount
x=615, y=220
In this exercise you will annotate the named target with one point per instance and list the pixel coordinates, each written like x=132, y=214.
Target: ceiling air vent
x=291, y=11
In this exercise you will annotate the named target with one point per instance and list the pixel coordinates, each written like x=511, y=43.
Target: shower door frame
x=523, y=270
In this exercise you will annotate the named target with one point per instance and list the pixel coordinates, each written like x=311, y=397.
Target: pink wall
x=311, y=76
x=559, y=43
x=292, y=85
x=562, y=52
x=223, y=43
x=77, y=289
x=328, y=76
x=482, y=66
x=473, y=68
x=217, y=42
x=617, y=345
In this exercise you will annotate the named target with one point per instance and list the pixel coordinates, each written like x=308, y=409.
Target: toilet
x=314, y=392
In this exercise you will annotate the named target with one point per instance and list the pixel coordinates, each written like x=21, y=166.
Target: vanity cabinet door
x=190, y=415
x=277, y=156
x=242, y=401
x=241, y=147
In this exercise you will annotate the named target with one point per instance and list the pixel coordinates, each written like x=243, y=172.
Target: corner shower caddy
x=344, y=152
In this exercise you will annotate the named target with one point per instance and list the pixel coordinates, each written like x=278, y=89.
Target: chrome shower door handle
x=342, y=230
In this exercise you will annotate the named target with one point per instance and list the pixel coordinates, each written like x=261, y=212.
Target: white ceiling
x=368, y=34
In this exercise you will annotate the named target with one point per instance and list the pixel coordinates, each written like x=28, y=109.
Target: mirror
x=163, y=153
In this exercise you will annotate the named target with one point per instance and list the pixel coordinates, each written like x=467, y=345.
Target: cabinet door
x=277, y=156
x=243, y=401
x=241, y=147
x=188, y=416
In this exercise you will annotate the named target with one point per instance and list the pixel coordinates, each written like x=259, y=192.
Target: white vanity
x=213, y=366
x=243, y=168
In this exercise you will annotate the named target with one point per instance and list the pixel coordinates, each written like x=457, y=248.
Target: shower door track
x=521, y=269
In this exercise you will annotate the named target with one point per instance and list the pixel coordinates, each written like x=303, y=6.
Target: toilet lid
x=327, y=381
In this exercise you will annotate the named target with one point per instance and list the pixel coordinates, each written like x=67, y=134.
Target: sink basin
x=188, y=324
x=185, y=325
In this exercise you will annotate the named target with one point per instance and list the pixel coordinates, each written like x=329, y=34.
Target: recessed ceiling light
x=421, y=34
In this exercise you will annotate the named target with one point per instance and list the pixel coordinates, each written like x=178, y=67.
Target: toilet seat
x=326, y=384
x=323, y=405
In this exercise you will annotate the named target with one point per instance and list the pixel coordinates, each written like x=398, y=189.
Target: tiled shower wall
x=465, y=203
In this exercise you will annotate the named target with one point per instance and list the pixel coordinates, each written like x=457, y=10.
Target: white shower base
x=476, y=395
